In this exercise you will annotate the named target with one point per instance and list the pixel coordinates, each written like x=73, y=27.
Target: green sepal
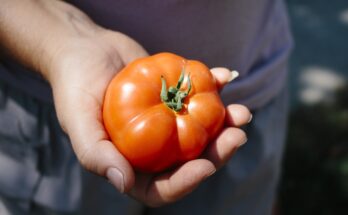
x=173, y=97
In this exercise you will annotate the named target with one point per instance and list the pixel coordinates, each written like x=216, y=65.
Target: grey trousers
x=39, y=173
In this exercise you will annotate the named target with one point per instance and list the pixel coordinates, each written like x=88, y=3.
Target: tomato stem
x=173, y=97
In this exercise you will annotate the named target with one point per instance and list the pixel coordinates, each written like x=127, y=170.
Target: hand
x=79, y=76
x=79, y=82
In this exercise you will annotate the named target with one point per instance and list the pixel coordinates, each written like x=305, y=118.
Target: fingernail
x=210, y=174
x=251, y=117
x=246, y=140
x=116, y=178
x=233, y=75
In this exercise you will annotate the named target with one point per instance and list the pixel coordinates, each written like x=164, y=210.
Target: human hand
x=79, y=83
x=79, y=77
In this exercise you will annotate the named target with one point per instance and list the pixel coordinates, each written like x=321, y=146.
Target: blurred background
x=315, y=168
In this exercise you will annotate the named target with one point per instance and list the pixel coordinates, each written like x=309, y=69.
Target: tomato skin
x=152, y=136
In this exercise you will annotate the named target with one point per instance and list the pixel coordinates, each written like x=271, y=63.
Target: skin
x=79, y=58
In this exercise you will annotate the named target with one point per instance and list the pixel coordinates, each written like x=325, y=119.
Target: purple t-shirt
x=250, y=36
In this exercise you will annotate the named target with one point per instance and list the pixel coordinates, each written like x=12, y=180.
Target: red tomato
x=162, y=110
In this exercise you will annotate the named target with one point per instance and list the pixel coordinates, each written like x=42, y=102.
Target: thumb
x=223, y=76
x=82, y=122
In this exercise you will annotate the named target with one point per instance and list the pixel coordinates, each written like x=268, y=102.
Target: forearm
x=34, y=31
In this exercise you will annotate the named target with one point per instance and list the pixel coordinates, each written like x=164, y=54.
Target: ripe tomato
x=156, y=127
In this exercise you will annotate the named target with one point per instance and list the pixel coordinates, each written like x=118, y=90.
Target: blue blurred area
x=315, y=167
x=320, y=29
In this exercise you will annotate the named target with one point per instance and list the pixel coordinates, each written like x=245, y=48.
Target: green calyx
x=173, y=97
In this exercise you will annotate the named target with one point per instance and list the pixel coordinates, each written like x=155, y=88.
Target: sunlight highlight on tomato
x=162, y=110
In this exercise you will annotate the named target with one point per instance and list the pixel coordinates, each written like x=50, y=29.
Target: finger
x=172, y=186
x=221, y=150
x=223, y=76
x=81, y=117
x=100, y=156
x=238, y=115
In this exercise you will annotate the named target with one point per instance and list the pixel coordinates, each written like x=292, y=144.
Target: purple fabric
x=250, y=36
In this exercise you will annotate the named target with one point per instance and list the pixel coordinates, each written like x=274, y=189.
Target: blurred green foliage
x=315, y=167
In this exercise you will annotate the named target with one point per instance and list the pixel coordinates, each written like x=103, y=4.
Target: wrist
x=40, y=30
